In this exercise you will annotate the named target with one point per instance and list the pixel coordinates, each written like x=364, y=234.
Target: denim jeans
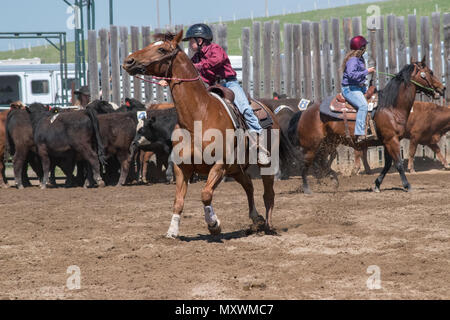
x=355, y=95
x=241, y=101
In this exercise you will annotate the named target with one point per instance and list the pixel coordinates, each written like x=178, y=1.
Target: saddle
x=264, y=118
x=340, y=105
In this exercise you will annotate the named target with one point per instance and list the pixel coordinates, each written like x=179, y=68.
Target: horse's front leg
x=269, y=199
x=215, y=176
x=182, y=178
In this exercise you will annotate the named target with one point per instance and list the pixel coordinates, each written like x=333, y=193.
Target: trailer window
x=39, y=87
x=9, y=89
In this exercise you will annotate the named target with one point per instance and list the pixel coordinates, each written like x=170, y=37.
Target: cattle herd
x=100, y=145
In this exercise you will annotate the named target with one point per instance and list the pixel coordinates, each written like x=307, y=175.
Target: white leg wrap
x=210, y=216
x=174, y=226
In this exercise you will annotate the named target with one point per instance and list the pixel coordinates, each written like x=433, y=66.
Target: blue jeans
x=355, y=95
x=241, y=102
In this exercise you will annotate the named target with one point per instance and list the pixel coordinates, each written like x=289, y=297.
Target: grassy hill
x=397, y=7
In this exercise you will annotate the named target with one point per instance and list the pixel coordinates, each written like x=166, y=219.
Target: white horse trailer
x=33, y=83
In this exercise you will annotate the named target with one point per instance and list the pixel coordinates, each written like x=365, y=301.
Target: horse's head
x=156, y=58
x=428, y=83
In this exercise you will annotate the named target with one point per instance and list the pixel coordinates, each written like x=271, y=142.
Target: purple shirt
x=212, y=62
x=355, y=72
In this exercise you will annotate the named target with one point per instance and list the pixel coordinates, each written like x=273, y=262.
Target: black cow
x=157, y=130
x=68, y=137
x=118, y=131
x=20, y=144
x=131, y=105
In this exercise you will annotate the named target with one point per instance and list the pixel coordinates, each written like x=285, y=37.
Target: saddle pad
x=303, y=104
x=325, y=109
x=231, y=113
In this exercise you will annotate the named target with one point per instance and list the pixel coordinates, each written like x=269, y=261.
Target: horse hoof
x=376, y=190
x=101, y=184
x=171, y=235
x=409, y=189
x=216, y=229
x=5, y=186
x=307, y=191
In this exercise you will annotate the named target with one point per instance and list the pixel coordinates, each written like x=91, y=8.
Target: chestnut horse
x=316, y=131
x=426, y=125
x=193, y=103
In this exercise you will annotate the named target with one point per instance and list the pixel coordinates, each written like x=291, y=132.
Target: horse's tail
x=100, y=148
x=292, y=129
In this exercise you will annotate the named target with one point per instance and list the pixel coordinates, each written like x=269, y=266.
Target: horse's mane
x=168, y=36
x=387, y=97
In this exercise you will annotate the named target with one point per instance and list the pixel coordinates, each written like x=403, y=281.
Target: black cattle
x=131, y=105
x=20, y=143
x=68, y=137
x=157, y=130
x=118, y=131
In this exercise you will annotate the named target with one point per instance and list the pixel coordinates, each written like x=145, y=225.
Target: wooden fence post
x=267, y=60
x=256, y=59
x=93, y=64
x=347, y=25
x=134, y=47
x=401, y=42
x=115, y=65
x=222, y=35
x=326, y=58
x=436, y=44
x=317, y=67
x=412, y=34
x=148, y=87
x=392, y=55
x=446, y=22
x=296, y=34
x=425, y=39
x=337, y=72
x=246, y=59
x=276, y=58
x=159, y=89
x=306, y=50
x=124, y=50
x=288, y=59
x=104, y=63
x=381, y=60
x=356, y=26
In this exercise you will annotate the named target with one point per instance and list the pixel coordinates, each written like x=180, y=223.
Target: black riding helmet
x=199, y=30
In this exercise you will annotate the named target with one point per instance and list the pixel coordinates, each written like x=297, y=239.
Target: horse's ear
x=177, y=38
x=423, y=60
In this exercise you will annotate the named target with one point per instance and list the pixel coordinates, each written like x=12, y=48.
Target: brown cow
x=426, y=125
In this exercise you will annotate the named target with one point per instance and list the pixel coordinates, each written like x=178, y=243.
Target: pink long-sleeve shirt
x=213, y=62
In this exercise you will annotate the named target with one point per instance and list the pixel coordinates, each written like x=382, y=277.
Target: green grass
x=397, y=7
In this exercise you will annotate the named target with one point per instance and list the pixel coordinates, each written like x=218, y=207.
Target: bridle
x=171, y=56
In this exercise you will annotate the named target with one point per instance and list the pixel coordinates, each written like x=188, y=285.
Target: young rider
x=353, y=82
x=212, y=62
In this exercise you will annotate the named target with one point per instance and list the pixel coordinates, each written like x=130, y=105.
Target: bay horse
x=194, y=103
x=316, y=131
x=426, y=125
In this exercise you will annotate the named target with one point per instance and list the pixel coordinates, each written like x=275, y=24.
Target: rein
x=166, y=78
x=413, y=81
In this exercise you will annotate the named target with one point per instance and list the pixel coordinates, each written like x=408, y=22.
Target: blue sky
x=51, y=15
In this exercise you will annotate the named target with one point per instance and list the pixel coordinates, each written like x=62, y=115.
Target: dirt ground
x=325, y=244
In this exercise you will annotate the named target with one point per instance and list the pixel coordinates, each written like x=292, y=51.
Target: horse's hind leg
x=246, y=182
x=439, y=154
x=308, y=160
x=269, y=198
x=182, y=179
x=215, y=176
